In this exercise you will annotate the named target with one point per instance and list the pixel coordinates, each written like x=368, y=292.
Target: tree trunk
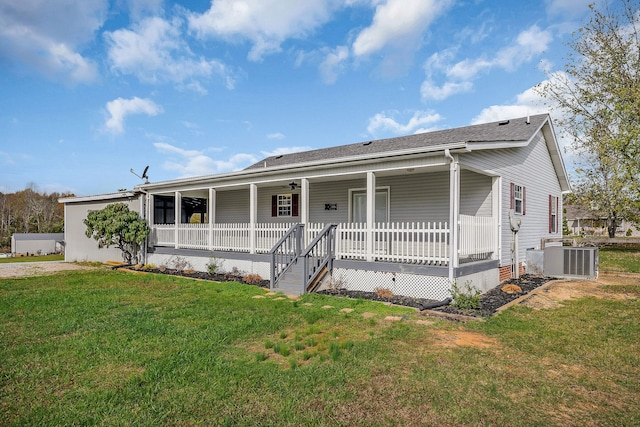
x=613, y=224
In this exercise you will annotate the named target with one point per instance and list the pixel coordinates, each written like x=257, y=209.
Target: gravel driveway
x=23, y=269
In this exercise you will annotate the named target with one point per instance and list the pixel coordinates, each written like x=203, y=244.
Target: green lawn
x=620, y=259
x=114, y=348
x=55, y=257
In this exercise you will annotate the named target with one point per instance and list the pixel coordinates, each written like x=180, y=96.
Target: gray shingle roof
x=511, y=130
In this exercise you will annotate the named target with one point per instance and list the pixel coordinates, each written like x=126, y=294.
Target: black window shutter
x=274, y=205
x=295, y=204
x=550, y=216
x=557, y=214
x=524, y=200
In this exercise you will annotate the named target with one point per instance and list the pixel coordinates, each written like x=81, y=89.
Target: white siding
x=79, y=247
x=531, y=167
x=475, y=194
x=419, y=197
x=232, y=206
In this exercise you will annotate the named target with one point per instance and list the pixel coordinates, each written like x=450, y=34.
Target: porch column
x=496, y=213
x=454, y=214
x=371, y=213
x=212, y=215
x=253, y=215
x=177, y=219
x=304, y=200
x=151, y=205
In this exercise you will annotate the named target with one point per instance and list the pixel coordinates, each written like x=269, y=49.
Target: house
x=79, y=247
x=410, y=214
x=37, y=243
x=581, y=221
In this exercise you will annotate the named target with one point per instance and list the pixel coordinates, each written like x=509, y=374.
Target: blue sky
x=90, y=89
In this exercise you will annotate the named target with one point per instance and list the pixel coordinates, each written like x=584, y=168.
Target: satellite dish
x=144, y=174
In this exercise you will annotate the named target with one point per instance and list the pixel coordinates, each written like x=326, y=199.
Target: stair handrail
x=321, y=250
x=282, y=260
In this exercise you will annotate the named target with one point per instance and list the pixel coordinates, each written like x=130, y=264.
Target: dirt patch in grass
x=605, y=287
x=445, y=338
x=25, y=269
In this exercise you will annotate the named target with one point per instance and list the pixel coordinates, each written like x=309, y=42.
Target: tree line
x=30, y=211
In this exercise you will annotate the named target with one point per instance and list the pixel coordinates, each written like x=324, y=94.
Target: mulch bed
x=490, y=301
x=218, y=277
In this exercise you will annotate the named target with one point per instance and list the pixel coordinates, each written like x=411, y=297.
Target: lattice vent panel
x=412, y=285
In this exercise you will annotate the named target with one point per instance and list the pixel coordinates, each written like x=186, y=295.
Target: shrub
x=180, y=264
x=467, y=298
x=384, y=292
x=252, y=279
x=213, y=266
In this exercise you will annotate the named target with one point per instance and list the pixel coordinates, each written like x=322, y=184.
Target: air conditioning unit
x=569, y=261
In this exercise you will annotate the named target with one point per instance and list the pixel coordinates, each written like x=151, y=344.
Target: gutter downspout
x=453, y=215
x=145, y=212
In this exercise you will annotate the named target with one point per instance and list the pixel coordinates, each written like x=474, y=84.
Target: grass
x=35, y=258
x=620, y=258
x=114, y=348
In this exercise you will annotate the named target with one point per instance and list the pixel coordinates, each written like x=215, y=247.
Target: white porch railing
x=405, y=242
x=477, y=237
x=232, y=237
x=408, y=242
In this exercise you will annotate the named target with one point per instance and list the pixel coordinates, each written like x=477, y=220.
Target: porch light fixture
x=293, y=185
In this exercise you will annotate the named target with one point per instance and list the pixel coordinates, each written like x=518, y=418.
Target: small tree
x=119, y=226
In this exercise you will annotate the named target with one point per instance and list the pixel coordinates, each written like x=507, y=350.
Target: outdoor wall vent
x=569, y=261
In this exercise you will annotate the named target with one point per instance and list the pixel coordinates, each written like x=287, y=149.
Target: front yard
x=112, y=348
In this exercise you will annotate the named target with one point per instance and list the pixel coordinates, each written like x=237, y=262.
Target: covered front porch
x=428, y=211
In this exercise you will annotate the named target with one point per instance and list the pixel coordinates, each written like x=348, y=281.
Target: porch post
x=454, y=215
x=371, y=213
x=177, y=219
x=253, y=215
x=304, y=200
x=496, y=213
x=212, y=215
x=151, y=204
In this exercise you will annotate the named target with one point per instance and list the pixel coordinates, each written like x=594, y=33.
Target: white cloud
x=276, y=135
x=333, y=64
x=120, y=108
x=397, y=23
x=567, y=7
x=529, y=44
x=265, y=23
x=386, y=122
x=154, y=51
x=430, y=90
x=189, y=163
x=527, y=102
x=46, y=36
x=284, y=150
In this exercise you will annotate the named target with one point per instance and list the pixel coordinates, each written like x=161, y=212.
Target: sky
x=92, y=89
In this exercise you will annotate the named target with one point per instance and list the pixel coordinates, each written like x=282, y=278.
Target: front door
x=359, y=206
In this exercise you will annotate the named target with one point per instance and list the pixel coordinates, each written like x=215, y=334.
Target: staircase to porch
x=292, y=281
x=294, y=271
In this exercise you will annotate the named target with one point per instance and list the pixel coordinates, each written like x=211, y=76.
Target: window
x=359, y=206
x=553, y=214
x=284, y=205
x=518, y=199
x=163, y=210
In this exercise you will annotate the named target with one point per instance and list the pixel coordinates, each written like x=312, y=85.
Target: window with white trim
x=284, y=205
x=518, y=199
